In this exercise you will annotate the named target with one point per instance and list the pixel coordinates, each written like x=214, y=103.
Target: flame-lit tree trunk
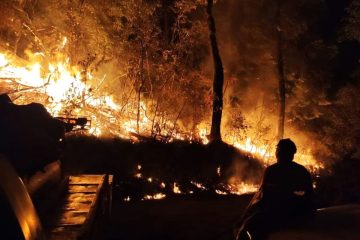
x=142, y=80
x=215, y=134
x=281, y=74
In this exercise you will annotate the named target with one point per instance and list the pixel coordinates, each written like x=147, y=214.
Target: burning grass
x=155, y=170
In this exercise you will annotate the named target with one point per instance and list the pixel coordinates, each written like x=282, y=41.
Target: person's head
x=285, y=150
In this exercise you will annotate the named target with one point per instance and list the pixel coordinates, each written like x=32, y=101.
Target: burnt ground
x=179, y=217
x=202, y=215
x=170, y=162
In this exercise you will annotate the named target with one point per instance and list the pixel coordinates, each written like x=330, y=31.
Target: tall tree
x=281, y=74
x=215, y=134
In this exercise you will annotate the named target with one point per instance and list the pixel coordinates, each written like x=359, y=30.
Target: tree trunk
x=215, y=133
x=140, y=87
x=281, y=76
x=167, y=19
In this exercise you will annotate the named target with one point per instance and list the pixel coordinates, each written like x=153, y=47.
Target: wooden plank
x=79, y=206
x=72, y=218
x=81, y=197
x=92, y=188
x=86, y=179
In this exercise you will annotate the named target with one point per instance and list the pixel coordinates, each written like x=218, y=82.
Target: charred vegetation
x=178, y=162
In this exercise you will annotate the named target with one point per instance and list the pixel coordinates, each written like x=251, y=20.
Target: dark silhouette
x=30, y=137
x=215, y=132
x=285, y=195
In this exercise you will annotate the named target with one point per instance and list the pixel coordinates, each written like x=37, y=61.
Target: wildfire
x=66, y=89
x=266, y=153
x=248, y=146
x=242, y=188
x=58, y=85
x=58, y=81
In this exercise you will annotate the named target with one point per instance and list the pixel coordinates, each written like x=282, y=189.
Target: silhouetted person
x=284, y=196
x=29, y=136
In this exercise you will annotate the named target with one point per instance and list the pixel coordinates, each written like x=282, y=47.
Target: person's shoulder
x=272, y=167
x=299, y=167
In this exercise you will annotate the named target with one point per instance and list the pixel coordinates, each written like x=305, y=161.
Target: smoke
x=248, y=45
x=248, y=51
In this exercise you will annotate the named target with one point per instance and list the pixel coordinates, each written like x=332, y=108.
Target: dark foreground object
x=333, y=223
x=181, y=217
x=49, y=206
x=210, y=218
x=285, y=195
x=30, y=137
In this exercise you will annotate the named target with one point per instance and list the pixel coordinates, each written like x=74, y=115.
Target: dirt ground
x=175, y=218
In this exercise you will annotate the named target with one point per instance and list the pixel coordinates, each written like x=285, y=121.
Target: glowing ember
x=203, y=135
x=176, y=189
x=299, y=193
x=218, y=171
x=199, y=185
x=220, y=192
x=156, y=196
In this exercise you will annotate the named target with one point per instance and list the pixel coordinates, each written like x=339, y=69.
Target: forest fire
x=69, y=91
x=59, y=86
x=200, y=115
x=138, y=94
x=266, y=153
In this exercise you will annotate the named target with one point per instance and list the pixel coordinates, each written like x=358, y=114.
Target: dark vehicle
x=333, y=223
x=50, y=206
x=19, y=219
